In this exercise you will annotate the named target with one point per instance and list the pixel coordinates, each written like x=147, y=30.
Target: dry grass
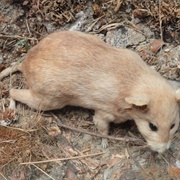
x=13, y=144
x=61, y=12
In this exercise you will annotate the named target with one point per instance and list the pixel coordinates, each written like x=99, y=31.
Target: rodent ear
x=138, y=101
x=177, y=95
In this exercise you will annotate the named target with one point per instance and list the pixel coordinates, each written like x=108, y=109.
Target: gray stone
x=124, y=37
x=168, y=62
x=87, y=138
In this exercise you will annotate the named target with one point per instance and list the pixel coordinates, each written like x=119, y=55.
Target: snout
x=159, y=147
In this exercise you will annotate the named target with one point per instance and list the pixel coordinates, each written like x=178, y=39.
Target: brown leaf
x=96, y=9
x=156, y=45
x=175, y=172
x=2, y=67
x=114, y=161
x=54, y=131
x=70, y=174
x=137, y=13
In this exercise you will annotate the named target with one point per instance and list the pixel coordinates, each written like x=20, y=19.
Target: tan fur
x=72, y=68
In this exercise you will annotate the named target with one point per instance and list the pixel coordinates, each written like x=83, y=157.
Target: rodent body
x=73, y=68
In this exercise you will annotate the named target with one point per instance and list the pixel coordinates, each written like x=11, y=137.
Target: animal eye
x=153, y=127
x=172, y=126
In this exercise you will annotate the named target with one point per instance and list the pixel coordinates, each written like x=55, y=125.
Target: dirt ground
x=35, y=145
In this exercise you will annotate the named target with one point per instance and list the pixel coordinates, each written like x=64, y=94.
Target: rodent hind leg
x=102, y=120
x=25, y=96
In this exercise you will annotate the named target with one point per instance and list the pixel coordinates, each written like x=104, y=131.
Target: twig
x=28, y=27
x=43, y=171
x=160, y=22
x=19, y=129
x=112, y=26
x=63, y=159
x=16, y=36
x=96, y=172
x=164, y=159
x=8, y=141
x=125, y=139
x=116, y=9
x=3, y=176
x=47, y=157
x=94, y=23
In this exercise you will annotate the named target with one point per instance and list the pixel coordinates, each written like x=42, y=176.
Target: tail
x=10, y=70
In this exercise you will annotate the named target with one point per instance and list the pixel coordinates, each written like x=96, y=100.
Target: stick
x=3, y=176
x=63, y=159
x=160, y=22
x=16, y=37
x=116, y=9
x=125, y=139
x=43, y=172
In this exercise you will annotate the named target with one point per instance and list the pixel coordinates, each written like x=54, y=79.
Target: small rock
x=168, y=63
x=124, y=37
x=178, y=163
x=167, y=50
x=87, y=137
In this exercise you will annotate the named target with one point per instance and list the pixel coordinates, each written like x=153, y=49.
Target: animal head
x=157, y=116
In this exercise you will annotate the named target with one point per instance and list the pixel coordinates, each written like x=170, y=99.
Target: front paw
x=104, y=143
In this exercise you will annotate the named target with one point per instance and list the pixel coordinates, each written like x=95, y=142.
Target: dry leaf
x=96, y=9
x=114, y=161
x=2, y=67
x=54, y=131
x=175, y=172
x=156, y=45
x=70, y=174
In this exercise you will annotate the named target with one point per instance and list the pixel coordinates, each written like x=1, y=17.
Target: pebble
x=167, y=50
x=87, y=137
